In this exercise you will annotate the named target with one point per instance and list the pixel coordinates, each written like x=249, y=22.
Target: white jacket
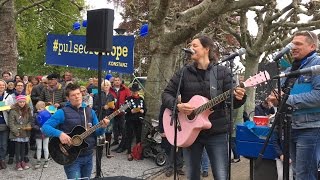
x=8, y=100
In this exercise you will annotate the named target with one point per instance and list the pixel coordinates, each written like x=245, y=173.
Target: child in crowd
x=133, y=122
x=20, y=120
x=41, y=140
x=10, y=87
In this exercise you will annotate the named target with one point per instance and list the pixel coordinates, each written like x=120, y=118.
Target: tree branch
x=227, y=27
x=55, y=10
x=193, y=11
x=30, y=6
x=280, y=13
x=279, y=45
x=3, y=2
x=159, y=11
x=298, y=25
x=80, y=8
x=191, y=26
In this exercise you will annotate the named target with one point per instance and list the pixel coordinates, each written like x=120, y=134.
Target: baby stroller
x=152, y=143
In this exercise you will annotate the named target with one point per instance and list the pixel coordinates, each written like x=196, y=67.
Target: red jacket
x=121, y=96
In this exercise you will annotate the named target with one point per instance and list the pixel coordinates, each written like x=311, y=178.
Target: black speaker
x=266, y=170
x=99, y=30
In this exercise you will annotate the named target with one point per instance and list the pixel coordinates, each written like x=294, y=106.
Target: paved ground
x=116, y=166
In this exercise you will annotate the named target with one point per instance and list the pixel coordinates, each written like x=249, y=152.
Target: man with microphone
x=305, y=99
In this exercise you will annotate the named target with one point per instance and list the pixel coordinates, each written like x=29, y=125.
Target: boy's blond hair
x=40, y=105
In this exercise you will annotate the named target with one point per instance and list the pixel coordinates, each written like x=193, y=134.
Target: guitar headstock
x=256, y=79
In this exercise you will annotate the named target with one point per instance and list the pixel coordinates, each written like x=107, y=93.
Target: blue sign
x=64, y=50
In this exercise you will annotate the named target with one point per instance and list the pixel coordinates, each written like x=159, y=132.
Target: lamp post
x=120, y=31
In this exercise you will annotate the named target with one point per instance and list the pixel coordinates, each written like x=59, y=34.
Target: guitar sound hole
x=191, y=116
x=76, y=140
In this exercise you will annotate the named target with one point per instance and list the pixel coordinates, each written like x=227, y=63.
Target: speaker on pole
x=99, y=30
x=99, y=38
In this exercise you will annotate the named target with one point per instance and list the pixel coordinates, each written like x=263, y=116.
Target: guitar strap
x=213, y=81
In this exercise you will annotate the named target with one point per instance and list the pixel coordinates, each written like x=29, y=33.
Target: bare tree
x=275, y=29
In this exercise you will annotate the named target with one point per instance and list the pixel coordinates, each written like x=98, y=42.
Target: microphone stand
x=99, y=148
x=231, y=65
x=175, y=121
x=231, y=117
x=285, y=114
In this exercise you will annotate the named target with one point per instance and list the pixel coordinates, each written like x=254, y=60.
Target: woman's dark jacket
x=104, y=100
x=194, y=84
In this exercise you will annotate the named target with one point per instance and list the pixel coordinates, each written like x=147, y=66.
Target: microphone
x=314, y=70
x=283, y=51
x=188, y=50
x=233, y=55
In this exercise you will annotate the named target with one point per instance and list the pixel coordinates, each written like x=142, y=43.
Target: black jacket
x=104, y=100
x=193, y=84
x=135, y=102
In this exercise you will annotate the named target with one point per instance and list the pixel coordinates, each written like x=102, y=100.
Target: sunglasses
x=310, y=35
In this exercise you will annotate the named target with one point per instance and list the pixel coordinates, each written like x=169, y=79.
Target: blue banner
x=64, y=50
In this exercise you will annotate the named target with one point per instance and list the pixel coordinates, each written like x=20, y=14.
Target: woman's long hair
x=24, y=111
x=208, y=43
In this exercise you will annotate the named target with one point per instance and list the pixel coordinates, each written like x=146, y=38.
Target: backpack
x=137, y=151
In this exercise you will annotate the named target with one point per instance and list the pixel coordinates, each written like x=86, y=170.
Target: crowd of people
x=32, y=109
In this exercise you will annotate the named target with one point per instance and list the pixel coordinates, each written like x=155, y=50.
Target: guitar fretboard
x=95, y=127
x=212, y=102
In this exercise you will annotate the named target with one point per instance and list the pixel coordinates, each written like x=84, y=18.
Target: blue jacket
x=305, y=97
x=49, y=128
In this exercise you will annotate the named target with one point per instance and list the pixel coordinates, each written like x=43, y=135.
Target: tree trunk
x=251, y=69
x=8, y=39
x=160, y=72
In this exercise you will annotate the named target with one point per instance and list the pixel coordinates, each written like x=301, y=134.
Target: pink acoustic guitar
x=191, y=125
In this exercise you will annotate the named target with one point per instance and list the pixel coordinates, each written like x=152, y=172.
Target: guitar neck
x=99, y=125
x=252, y=81
x=212, y=102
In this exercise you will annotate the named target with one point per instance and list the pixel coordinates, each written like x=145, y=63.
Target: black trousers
x=133, y=129
x=169, y=150
x=118, y=127
x=20, y=151
x=12, y=146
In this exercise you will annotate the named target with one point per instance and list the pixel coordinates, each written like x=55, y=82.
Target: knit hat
x=21, y=98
